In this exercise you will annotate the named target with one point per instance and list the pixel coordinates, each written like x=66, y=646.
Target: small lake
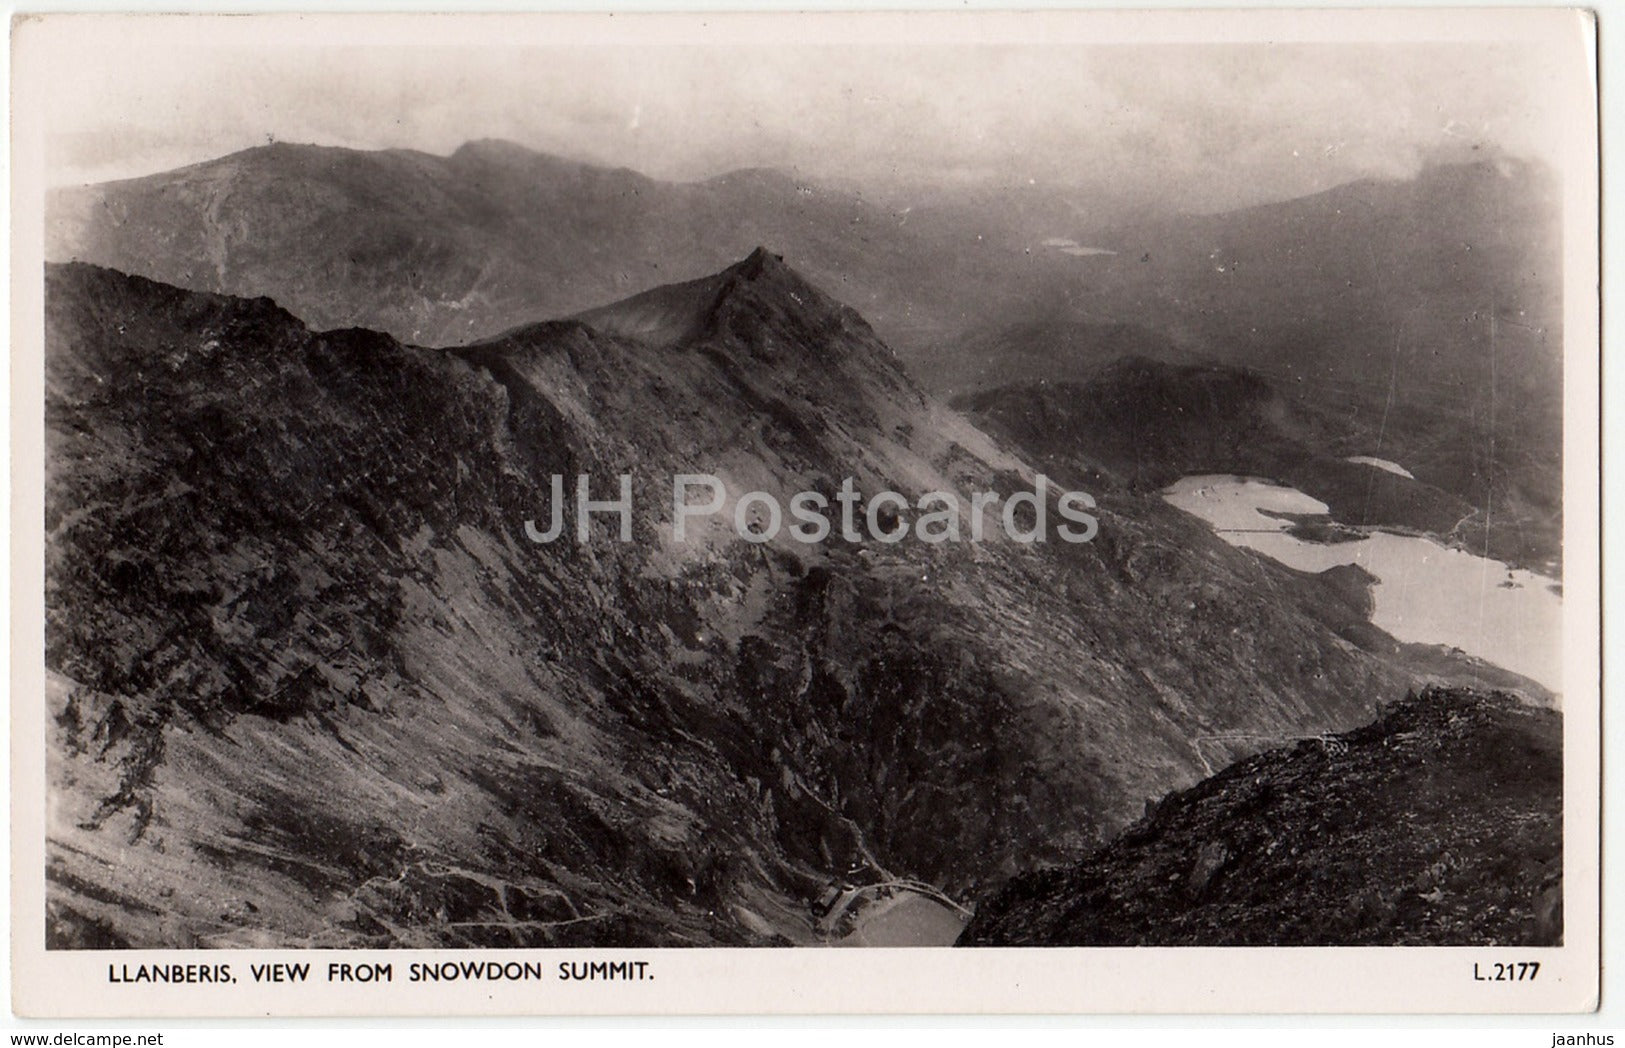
x=906, y=919
x=1426, y=593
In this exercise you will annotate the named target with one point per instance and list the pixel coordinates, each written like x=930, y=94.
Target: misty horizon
x=1179, y=126
x=896, y=194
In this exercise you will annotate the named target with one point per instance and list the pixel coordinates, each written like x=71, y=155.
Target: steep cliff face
x=311, y=682
x=1438, y=824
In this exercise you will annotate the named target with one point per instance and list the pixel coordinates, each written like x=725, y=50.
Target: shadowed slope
x=1440, y=824
x=311, y=684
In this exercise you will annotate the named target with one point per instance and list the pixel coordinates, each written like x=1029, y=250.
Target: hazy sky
x=1197, y=126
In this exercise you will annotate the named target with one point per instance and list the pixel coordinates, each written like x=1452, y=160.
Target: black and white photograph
x=518, y=495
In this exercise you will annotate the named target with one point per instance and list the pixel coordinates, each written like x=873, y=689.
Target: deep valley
x=311, y=684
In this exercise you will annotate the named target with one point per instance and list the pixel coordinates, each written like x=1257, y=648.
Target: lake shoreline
x=1427, y=591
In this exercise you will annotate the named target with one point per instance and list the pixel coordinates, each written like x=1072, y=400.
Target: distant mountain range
x=1426, y=312
x=1443, y=288
x=1446, y=288
x=447, y=250
x=311, y=683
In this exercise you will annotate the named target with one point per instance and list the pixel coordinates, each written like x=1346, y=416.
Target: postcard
x=743, y=513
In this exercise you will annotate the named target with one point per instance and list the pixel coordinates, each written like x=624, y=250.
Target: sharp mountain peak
x=761, y=263
x=758, y=292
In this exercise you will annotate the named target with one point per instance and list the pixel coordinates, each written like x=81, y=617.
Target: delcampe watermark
x=844, y=513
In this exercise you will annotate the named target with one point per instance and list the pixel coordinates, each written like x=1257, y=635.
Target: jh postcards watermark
x=843, y=513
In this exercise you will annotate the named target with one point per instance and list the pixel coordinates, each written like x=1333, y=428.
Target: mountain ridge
x=287, y=566
x=459, y=248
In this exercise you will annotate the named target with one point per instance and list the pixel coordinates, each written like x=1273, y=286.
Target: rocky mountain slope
x=1439, y=824
x=312, y=684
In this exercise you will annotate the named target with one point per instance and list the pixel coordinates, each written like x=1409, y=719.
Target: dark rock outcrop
x=1439, y=824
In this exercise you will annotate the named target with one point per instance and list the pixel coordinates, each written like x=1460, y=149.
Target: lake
x=905, y=919
x=1426, y=593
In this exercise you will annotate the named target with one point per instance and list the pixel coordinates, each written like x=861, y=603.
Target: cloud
x=1193, y=126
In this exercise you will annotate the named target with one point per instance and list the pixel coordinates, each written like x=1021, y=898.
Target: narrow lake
x=1426, y=593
